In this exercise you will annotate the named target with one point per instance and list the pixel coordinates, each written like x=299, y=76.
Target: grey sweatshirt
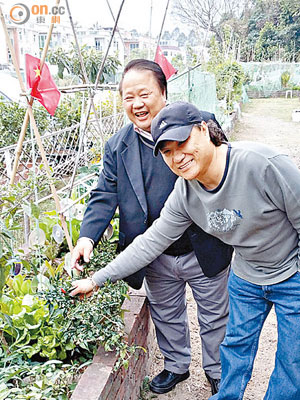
x=255, y=208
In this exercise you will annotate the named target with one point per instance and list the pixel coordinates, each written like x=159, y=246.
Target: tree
x=166, y=35
x=206, y=14
x=266, y=46
x=175, y=33
x=289, y=32
x=192, y=38
x=69, y=61
x=191, y=57
x=229, y=73
x=12, y=117
x=281, y=20
x=260, y=29
x=198, y=14
x=177, y=62
x=181, y=40
x=139, y=53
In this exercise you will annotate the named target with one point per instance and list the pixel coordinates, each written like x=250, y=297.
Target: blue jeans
x=249, y=306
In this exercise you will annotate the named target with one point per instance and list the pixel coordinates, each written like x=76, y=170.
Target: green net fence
x=264, y=79
x=194, y=86
x=199, y=88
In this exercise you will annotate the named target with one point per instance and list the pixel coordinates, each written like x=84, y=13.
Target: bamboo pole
x=47, y=168
x=83, y=69
x=150, y=29
x=109, y=44
x=73, y=88
x=99, y=74
x=91, y=102
x=162, y=26
x=26, y=118
x=29, y=115
x=113, y=17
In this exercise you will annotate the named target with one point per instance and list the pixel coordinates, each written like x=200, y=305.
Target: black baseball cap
x=176, y=121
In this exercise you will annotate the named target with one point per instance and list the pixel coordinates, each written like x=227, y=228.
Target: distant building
x=170, y=51
x=134, y=41
x=30, y=37
x=98, y=38
x=147, y=43
x=170, y=48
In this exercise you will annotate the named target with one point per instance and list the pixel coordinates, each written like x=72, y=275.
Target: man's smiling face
x=192, y=158
x=142, y=97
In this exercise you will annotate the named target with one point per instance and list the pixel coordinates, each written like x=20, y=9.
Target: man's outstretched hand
x=82, y=286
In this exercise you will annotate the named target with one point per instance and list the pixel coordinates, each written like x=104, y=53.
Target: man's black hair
x=142, y=64
x=216, y=134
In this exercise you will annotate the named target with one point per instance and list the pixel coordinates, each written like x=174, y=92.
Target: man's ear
x=205, y=128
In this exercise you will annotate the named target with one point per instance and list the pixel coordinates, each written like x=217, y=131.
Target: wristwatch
x=94, y=284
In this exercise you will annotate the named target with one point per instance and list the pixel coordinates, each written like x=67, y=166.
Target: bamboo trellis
x=30, y=115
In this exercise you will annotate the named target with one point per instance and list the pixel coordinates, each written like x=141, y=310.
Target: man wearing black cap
x=139, y=184
x=247, y=195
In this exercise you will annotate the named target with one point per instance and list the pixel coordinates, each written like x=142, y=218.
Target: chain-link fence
x=194, y=86
x=199, y=88
x=64, y=149
x=265, y=79
x=61, y=149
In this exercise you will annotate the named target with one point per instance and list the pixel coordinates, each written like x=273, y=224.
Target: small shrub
x=285, y=77
x=229, y=75
x=12, y=116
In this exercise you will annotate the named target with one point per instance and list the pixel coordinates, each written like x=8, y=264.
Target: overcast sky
x=135, y=14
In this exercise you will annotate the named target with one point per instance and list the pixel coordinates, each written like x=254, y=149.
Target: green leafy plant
x=285, y=77
x=12, y=202
x=33, y=315
x=107, y=106
x=30, y=324
x=25, y=379
x=229, y=75
x=68, y=111
x=12, y=116
x=145, y=393
x=104, y=253
x=41, y=325
x=92, y=59
x=266, y=46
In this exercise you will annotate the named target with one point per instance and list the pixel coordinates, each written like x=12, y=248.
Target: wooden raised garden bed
x=100, y=381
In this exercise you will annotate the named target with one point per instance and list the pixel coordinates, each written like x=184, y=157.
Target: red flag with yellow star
x=164, y=64
x=42, y=85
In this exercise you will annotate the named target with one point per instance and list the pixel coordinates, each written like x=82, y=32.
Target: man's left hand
x=82, y=286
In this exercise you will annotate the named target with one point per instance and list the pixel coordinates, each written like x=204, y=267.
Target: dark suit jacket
x=121, y=184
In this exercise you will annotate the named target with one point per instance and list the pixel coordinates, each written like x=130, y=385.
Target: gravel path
x=268, y=121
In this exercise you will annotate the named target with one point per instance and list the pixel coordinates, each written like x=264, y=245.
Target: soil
x=268, y=121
